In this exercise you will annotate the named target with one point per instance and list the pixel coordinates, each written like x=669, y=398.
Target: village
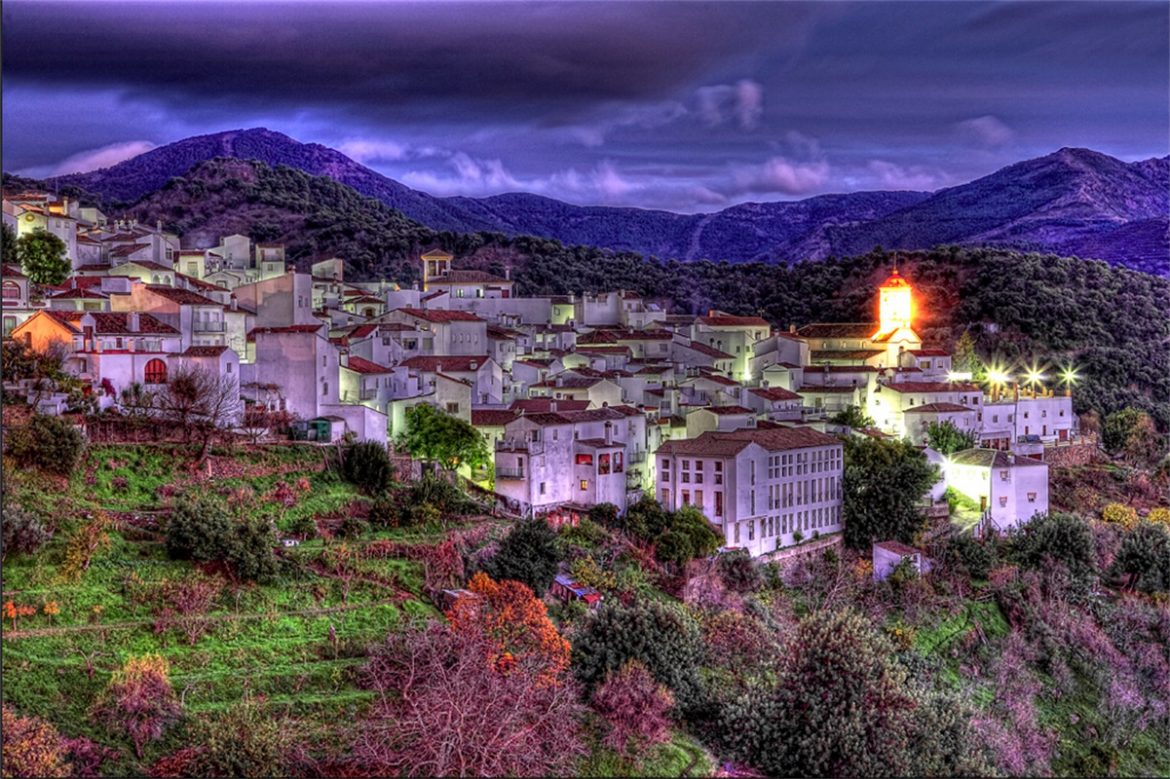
x=587, y=399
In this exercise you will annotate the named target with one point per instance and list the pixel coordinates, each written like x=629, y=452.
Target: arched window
x=156, y=372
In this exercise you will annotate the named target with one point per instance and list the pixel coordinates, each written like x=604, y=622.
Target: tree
x=367, y=465
x=248, y=549
x=841, y=705
x=964, y=552
x=646, y=519
x=514, y=620
x=882, y=485
x=737, y=571
x=1132, y=434
x=42, y=258
x=1061, y=538
x=200, y=401
x=854, y=417
x=438, y=437
x=440, y=710
x=966, y=359
x=635, y=709
x=663, y=637
x=139, y=701
x=1145, y=555
x=23, y=532
x=947, y=439
x=196, y=528
x=48, y=442
x=32, y=747
x=8, y=246
x=243, y=741
x=528, y=554
x=258, y=420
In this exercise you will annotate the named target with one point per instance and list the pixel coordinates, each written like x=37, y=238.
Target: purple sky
x=687, y=106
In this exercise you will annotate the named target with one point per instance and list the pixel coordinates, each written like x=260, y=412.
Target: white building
x=1009, y=489
x=766, y=488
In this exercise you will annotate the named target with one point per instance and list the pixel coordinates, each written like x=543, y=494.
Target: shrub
x=1145, y=555
x=139, y=701
x=420, y=515
x=604, y=514
x=528, y=554
x=304, y=526
x=242, y=741
x=1064, y=538
x=962, y=551
x=50, y=443
x=1120, y=514
x=367, y=465
x=737, y=571
x=384, y=511
x=248, y=549
x=32, y=747
x=634, y=707
x=665, y=638
x=196, y=528
x=1159, y=515
x=353, y=527
x=23, y=532
x=674, y=547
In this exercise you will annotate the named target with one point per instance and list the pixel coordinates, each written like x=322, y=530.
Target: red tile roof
x=362, y=365
x=12, y=272
x=897, y=548
x=771, y=439
x=204, y=351
x=862, y=330
x=930, y=353
x=468, y=277
x=492, y=417
x=727, y=410
x=113, y=322
x=440, y=315
x=710, y=351
x=282, y=330
x=535, y=405
x=727, y=320
x=447, y=363
x=184, y=297
x=774, y=393
x=936, y=408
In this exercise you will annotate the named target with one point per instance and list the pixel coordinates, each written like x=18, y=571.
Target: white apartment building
x=764, y=488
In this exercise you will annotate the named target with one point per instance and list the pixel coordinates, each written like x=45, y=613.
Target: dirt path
x=137, y=623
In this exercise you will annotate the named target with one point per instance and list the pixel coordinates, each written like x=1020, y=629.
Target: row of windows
x=782, y=524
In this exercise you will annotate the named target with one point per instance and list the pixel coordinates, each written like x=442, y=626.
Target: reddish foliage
x=443, y=711
x=88, y=756
x=514, y=621
x=139, y=700
x=283, y=494
x=32, y=747
x=175, y=765
x=635, y=708
x=184, y=603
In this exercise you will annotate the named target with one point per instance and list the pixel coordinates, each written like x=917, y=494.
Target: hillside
x=1074, y=201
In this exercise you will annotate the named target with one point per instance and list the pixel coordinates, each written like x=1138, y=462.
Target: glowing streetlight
x=997, y=378
x=1033, y=378
x=1069, y=377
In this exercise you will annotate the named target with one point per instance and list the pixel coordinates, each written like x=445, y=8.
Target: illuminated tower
x=435, y=265
x=895, y=305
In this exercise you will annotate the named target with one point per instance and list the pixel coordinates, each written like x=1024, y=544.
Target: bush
x=32, y=747
x=665, y=638
x=384, y=511
x=353, y=527
x=528, y=555
x=367, y=465
x=441, y=494
x=304, y=526
x=1120, y=514
x=604, y=514
x=1064, y=538
x=963, y=552
x=737, y=571
x=635, y=709
x=196, y=528
x=419, y=515
x=139, y=701
x=50, y=443
x=242, y=741
x=248, y=549
x=23, y=532
x=1145, y=555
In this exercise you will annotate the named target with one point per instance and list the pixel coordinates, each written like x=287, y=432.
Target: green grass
x=669, y=759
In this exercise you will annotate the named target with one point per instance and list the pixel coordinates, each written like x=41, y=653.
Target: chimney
x=560, y=381
x=133, y=321
x=608, y=432
x=507, y=272
x=792, y=328
x=474, y=365
x=158, y=225
x=552, y=406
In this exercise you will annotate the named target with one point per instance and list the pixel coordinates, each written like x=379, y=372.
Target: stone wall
x=1072, y=454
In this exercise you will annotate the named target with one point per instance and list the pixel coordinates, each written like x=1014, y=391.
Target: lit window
x=584, y=484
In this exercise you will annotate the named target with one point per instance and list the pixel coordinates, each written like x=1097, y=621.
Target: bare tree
x=201, y=403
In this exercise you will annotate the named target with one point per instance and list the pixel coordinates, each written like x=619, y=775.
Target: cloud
x=988, y=131
x=367, y=151
x=781, y=175
x=473, y=177
x=102, y=157
x=889, y=175
x=742, y=102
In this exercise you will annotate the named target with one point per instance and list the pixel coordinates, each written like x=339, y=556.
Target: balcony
x=635, y=457
x=506, y=473
x=207, y=326
x=519, y=445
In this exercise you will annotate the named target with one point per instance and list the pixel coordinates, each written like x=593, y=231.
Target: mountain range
x=1074, y=202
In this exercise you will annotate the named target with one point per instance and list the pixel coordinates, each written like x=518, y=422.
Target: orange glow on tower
x=895, y=304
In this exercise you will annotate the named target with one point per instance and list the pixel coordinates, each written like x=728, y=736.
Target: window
x=156, y=372
x=542, y=487
x=584, y=459
x=1002, y=502
x=584, y=484
x=698, y=497
x=452, y=408
x=1003, y=475
x=11, y=290
x=603, y=463
x=324, y=388
x=1031, y=497
x=718, y=503
x=686, y=497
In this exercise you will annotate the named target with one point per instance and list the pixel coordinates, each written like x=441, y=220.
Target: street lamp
x=1069, y=377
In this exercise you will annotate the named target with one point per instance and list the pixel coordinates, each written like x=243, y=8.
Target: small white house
x=888, y=555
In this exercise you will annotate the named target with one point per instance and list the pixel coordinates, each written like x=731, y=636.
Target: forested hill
x=1110, y=321
x=1075, y=202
